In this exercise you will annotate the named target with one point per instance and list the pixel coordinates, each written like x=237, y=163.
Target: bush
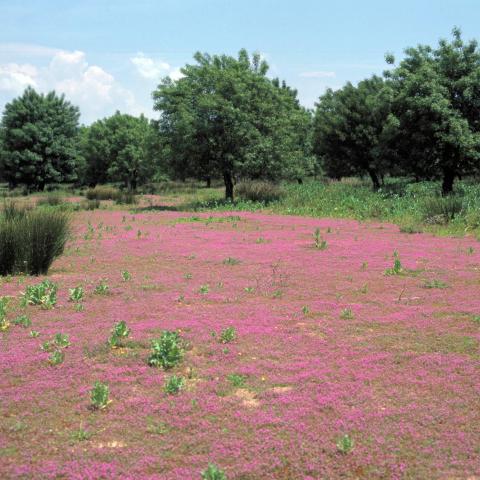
x=441, y=209
x=31, y=239
x=102, y=192
x=258, y=191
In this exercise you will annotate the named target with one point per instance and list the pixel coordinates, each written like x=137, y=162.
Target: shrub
x=441, y=209
x=167, y=351
x=43, y=294
x=213, y=473
x=258, y=191
x=99, y=395
x=31, y=239
x=102, y=192
x=174, y=384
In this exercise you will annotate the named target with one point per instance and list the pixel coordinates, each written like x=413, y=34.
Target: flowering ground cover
x=305, y=355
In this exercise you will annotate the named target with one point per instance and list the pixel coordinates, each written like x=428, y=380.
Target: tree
x=226, y=118
x=39, y=134
x=437, y=109
x=350, y=127
x=115, y=149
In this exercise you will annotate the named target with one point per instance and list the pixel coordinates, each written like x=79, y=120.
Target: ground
x=326, y=345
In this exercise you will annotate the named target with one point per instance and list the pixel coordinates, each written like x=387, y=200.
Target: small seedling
x=236, y=380
x=364, y=288
x=345, y=444
x=231, y=261
x=346, y=314
x=277, y=294
x=174, y=384
x=364, y=266
x=80, y=435
x=120, y=332
x=188, y=276
x=476, y=319
x=260, y=240
x=79, y=307
x=228, y=335
x=204, y=289
x=249, y=289
x=320, y=243
x=435, y=284
x=76, y=294
x=43, y=294
x=61, y=340
x=102, y=288
x=34, y=333
x=4, y=324
x=22, y=320
x=56, y=357
x=397, y=268
x=305, y=310
x=213, y=473
x=99, y=396
x=167, y=351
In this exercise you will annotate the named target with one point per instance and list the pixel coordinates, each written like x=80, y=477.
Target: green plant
x=346, y=314
x=441, y=209
x=79, y=307
x=34, y=333
x=99, y=396
x=345, y=444
x=80, y=435
x=435, y=284
x=212, y=472
x=237, y=380
x=231, y=261
x=397, y=268
x=167, y=351
x=174, y=384
x=61, y=340
x=320, y=243
x=102, y=192
x=30, y=241
x=4, y=324
x=43, y=294
x=204, y=289
x=188, y=276
x=22, y=320
x=120, y=332
x=258, y=191
x=102, y=288
x=228, y=335
x=305, y=310
x=57, y=357
x=126, y=275
x=76, y=294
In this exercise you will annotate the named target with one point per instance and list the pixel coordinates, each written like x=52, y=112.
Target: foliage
x=102, y=192
x=56, y=357
x=236, y=380
x=39, y=135
x=120, y=332
x=167, y=351
x=258, y=191
x=397, y=268
x=99, y=395
x=345, y=444
x=126, y=275
x=213, y=473
x=31, y=239
x=174, y=384
x=22, y=320
x=320, y=243
x=228, y=335
x=226, y=118
x=102, y=288
x=76, y=294
x=4, y=324
x=43, y=294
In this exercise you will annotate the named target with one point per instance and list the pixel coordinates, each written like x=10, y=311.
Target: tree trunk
x=374, y=178
x=448, y=179
x=227, y=178
x=209, y=182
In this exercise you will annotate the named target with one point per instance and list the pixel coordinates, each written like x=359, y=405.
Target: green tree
x=39, y=137
x=437, y=109
x=116, y=149
x=350, y=128
x=226, y=118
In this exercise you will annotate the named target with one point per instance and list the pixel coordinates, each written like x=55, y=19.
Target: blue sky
x=108, y=55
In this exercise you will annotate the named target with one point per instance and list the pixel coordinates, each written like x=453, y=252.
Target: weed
x=76, y=294
x=120, y=332
x=434, y=284
x=204, y=289
x=228, y=335
x=43, y=294
x=236, y=380
x=305, y=310
x=56, y=358
x=167, y=351
x=397, y=268
x=320, y=243
x=345, y=444
x=80, y=435
x=213, y=473
x=346, y=314
x=22, y=320
x=126, y=275
x=231, y=261
x=99, y=396
x=34, y=333
x=174, y=384
x=188, y=276
x=102, y=288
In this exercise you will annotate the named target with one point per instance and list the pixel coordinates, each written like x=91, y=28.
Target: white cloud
x=152, y=69
x=92, y=88
x=320, y=74
x=15, y=78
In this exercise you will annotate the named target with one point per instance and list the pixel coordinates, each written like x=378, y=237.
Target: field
x=307, y=355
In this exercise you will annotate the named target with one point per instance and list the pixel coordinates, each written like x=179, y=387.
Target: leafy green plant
x=319, y=242
x=305, y=310
x=61, y=340
x=188, y=276
x=99, y=396
x=80, y=435
x=258, y=191
x=120, y=332
x=345, y=444
x=204, y=289
x=4, y=324
x=22, y=320
x=126, y=275
x=346, y=314
x=56, y=357
x=167, y=351
x=43, y=294
x=228, y=335
x=397, y=268
x=231, y=261
x=102, y=288
x=34, y=333
x=435, y=284
x=76, y=294
x=174, y=384
x=237, y=380
x=212, y=472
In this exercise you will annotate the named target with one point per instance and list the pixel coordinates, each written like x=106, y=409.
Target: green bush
x=258, y=191
x=441, y=209
x=31, y=239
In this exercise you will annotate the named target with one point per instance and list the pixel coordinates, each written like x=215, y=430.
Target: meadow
x=186, y=338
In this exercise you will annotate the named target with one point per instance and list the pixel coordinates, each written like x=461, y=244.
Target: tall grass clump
x=441, y=209
x=31, y=239
x=258, y=191
x=51, y=199
x=102, y=192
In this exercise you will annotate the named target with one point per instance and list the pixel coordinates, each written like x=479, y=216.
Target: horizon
x=114, y=59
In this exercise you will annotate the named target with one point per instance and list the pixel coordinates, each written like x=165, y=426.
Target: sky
x=110, y=55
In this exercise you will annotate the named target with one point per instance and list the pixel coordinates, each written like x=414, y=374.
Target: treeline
x=225, y=118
